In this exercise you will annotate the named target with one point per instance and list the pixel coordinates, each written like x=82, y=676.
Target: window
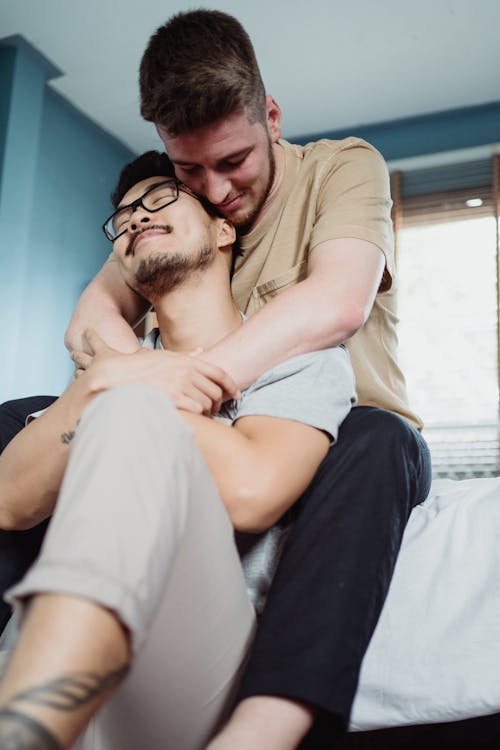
x=447, y=259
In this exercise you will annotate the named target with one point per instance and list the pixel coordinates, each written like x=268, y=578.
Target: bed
x=431, y=672
x=430, y=677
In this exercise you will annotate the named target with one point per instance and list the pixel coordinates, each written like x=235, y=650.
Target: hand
x=190, y=382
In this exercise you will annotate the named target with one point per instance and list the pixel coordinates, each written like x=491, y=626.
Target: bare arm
x=105, y=306
x=261, y=464
x=109, y=306
x=323, y=310
x=32, y=465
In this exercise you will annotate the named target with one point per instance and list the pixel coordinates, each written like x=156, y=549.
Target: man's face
x=230, y=162
x=160, y=250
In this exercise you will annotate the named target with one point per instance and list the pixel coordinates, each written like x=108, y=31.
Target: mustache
x=166, y=228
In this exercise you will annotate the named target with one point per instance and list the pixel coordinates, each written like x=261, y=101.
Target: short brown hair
x=198, y=67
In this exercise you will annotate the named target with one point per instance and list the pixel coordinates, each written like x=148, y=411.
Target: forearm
x=322, y=311
x=110, y=307
x=32, y=465
x=300, y=319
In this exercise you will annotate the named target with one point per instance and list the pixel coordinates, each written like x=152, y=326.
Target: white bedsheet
x=435, y=654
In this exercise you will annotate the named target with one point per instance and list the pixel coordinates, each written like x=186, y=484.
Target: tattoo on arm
x=18, y=731
x=21, y=732
x=67, y=437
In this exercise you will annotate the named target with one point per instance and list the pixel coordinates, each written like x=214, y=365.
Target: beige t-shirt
x=330, y=190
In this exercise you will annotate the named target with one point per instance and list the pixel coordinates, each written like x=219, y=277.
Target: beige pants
x=140, y=528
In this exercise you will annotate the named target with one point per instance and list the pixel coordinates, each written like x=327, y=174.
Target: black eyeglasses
x=156, y=197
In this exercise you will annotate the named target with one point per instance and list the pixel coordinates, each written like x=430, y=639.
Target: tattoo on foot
x=21, y=732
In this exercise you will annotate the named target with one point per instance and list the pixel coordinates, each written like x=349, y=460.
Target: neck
x=197, y=314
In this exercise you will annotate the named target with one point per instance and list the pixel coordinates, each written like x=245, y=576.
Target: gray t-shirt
x=316, y=388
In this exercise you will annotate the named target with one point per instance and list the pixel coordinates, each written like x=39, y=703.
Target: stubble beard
x=245, y=224
x=160, y=274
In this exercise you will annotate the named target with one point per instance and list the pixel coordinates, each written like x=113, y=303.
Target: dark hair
x=198, y=67
x=150, y=164
x=157, y=164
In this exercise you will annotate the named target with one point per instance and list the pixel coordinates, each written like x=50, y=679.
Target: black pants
x=18, y=549
x=336, y=568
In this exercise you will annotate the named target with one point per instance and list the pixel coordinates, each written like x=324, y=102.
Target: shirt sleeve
x=316, y=388
x=354, y=200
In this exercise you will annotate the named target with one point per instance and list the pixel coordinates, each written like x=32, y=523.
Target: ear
x=226, y=233
x=273, y=118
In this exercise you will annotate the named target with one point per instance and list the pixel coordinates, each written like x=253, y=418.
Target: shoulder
x=326, y=151
x=308, y=365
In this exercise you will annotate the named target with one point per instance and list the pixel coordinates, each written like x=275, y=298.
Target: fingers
x=211, y=392
x=95, y=342
x=221, y=378
x=187, y=404
x=81, y=359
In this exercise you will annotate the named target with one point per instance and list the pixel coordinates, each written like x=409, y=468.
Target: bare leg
x=265, y=721
x=70, y=655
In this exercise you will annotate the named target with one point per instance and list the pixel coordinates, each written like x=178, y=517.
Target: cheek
x=252, y=175
x=193, y=181
x=190, y=229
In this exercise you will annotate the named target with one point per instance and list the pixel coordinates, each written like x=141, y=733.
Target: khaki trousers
x=140, y=529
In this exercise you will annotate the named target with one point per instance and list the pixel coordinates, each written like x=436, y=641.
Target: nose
x=216, y=187
x=139, y=216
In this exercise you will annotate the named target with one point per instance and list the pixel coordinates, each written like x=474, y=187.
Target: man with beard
x=316, y=270
x=139, y=572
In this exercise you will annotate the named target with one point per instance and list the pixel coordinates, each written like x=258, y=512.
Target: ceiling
x=330, y=64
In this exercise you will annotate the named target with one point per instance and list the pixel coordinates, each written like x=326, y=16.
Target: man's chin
x=243, y=217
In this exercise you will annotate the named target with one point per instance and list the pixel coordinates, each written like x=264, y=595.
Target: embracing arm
x=322, y=311
x=261, y=464
x=110, y=307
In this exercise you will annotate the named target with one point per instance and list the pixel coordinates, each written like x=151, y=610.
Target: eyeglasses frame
x=139, y=202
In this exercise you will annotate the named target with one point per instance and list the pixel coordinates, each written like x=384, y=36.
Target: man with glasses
x=316, y=270
x=139, y=571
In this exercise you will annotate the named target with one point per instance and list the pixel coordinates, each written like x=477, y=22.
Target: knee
x=132, y=399
x=136, y=409
x=13, y=415
x=381, y=428
x=20, y=408
x=387, y=442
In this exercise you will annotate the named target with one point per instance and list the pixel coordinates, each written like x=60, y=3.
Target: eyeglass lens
x=154, y=199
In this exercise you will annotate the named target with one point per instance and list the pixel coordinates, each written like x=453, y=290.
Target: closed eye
x=187, y=169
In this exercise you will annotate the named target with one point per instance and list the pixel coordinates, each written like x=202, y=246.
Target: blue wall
x=57, y=170
x=434, y=133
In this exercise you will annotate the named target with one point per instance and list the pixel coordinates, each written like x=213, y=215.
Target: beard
x=160, y=274
x=245, y=223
